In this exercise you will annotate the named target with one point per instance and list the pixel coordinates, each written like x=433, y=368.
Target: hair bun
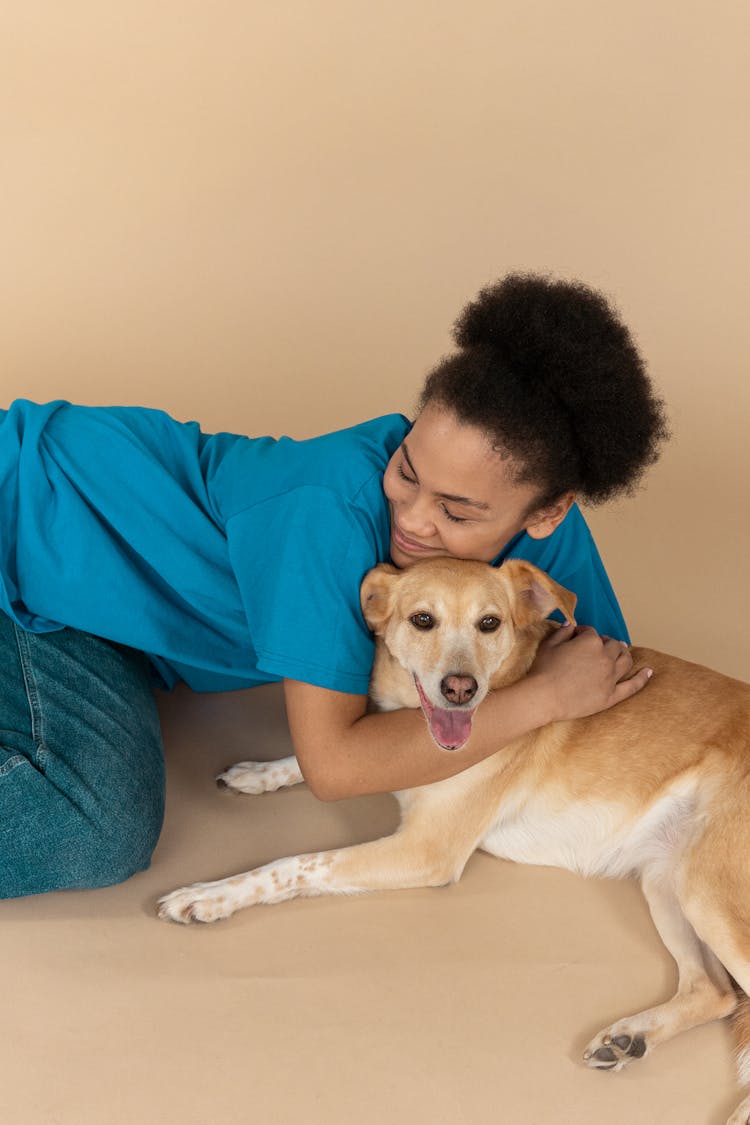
x=548, y=370
x=537, y=327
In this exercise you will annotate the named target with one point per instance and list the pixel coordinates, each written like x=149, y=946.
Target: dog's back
x=618, y=792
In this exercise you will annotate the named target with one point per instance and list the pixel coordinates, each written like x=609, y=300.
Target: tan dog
x=657, y=787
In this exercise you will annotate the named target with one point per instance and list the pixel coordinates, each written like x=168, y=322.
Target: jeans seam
x=32, y=694
x=13, y=763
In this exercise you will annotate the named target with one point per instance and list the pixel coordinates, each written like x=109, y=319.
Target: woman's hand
x=584, y=673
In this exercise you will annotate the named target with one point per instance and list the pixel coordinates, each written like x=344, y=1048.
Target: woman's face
x=450, y=493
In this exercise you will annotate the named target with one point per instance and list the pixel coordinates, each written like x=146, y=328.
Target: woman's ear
x=543, y=522
x=376, y=595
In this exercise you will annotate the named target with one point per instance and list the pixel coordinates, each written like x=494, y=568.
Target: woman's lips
x=409, y=546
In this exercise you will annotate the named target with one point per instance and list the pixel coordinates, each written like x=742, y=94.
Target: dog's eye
x=489, y=624
x=422, y=620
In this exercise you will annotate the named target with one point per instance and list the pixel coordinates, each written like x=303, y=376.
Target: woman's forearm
x=344, y=752
x=387, y=751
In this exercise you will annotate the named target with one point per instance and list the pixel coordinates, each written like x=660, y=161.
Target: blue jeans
x=81, y=762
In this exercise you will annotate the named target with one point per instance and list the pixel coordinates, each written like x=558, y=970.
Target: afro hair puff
x=548, y=370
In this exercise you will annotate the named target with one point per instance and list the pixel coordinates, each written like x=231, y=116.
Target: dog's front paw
x=203, y=902
x=260, y=777
x=615, y=1047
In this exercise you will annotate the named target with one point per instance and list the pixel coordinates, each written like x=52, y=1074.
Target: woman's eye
x=489, y=624
x=422, y=620
x=403, y=475
x=453, y=519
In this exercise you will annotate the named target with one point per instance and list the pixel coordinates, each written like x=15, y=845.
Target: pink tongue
x=450, y=729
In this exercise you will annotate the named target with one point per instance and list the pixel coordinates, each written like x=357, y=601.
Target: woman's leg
x=81, y=762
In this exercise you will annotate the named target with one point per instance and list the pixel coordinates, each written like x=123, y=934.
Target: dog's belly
x=594, y=837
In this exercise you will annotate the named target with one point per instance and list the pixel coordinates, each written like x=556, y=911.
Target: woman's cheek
x=388, y=484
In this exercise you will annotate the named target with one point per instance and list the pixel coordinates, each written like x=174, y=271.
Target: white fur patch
x=592, y=838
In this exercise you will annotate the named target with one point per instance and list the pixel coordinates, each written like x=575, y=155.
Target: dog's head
x=460, y=628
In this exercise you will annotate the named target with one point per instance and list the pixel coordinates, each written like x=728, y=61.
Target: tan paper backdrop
x=265, y=214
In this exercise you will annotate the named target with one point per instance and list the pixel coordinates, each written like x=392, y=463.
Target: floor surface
x=468, y=1005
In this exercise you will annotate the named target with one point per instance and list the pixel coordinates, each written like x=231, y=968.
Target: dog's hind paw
x=614, y=1048
x=260, y=777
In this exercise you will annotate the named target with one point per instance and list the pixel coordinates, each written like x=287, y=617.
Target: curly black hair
x=548, y=370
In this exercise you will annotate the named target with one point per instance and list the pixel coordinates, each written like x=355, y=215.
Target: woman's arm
x=345, y=752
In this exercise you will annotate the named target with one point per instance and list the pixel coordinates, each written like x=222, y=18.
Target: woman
x=134, y=546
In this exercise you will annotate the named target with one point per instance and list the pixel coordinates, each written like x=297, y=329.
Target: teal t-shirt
x=231, y=561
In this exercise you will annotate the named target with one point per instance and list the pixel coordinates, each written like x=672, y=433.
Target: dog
x=657, y=787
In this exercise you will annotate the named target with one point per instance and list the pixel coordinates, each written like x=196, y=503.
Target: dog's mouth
x=450, y=727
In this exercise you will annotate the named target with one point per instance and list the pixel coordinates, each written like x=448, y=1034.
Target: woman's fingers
x=624, y=689
x=559, y=636
x=587, y=672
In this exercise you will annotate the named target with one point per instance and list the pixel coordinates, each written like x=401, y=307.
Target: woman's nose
x=415, y=518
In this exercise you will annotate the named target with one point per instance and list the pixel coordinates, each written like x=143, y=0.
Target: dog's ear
x=376, y=595
x=534, y=594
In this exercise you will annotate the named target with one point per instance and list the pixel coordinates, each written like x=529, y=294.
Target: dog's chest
x=591, y=837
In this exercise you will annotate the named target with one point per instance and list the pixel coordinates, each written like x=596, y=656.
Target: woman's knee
x=82, y=770
x=78, y=839
x=117, y=846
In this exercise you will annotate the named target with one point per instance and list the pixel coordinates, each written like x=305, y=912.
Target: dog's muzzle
x=450, y=726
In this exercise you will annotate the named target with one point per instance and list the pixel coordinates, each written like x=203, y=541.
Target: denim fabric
x=81, y=762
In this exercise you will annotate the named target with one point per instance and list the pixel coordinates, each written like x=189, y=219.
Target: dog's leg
x=412, y=857
x=261, y=777
x=704, y=991
x=741, y=1036
x=741, y=1115
x=716, y=908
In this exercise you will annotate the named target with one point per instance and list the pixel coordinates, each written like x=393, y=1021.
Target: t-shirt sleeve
x=299, y=559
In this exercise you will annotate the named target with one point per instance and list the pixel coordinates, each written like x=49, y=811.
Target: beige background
x=266, y=217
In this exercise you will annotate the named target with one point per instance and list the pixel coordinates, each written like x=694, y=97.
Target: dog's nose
x=458, y=689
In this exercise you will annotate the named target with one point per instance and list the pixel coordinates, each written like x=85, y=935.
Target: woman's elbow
x=324, y=788
x=321, y=779
x=320, y=723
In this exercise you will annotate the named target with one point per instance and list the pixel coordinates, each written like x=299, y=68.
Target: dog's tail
x=741, y=1034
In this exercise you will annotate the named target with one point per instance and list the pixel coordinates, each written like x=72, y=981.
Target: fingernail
x=649, y=673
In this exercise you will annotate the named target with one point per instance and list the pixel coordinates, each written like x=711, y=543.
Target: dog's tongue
x=450, y=728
